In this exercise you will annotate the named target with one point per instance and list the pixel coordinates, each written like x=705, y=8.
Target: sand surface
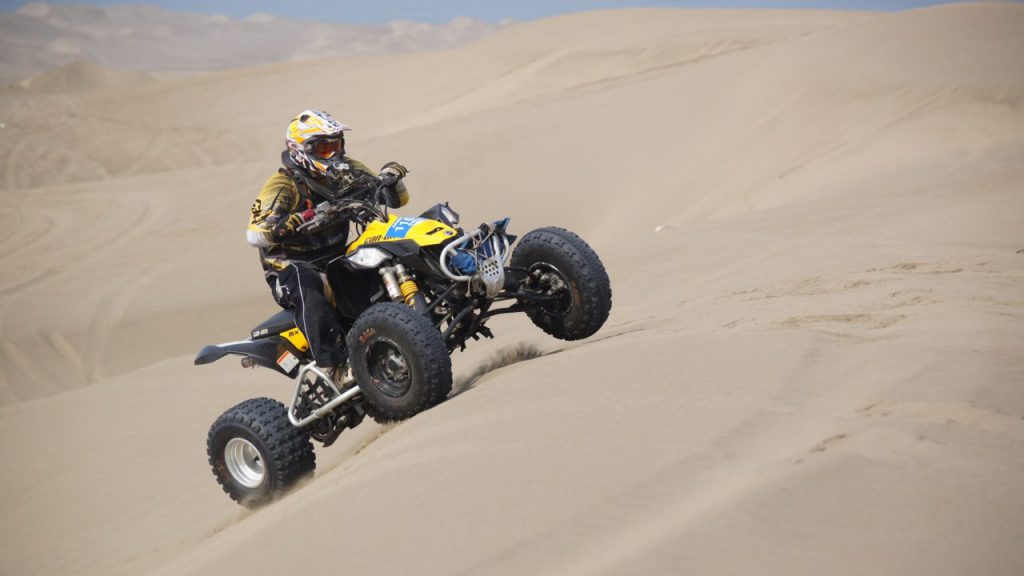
x=813, y=225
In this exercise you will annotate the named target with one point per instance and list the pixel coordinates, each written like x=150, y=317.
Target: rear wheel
x=256, y=454
x=400, y=362
x=561, y=264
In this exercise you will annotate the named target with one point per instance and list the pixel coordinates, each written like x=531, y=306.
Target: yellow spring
x=409, y=289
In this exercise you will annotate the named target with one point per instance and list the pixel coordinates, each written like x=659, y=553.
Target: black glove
x=390, y=175
x=289, y=227
x=386, y=195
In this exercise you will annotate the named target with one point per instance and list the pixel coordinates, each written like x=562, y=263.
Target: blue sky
x=375, y=11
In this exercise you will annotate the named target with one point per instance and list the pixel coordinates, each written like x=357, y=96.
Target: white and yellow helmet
x=316, y=142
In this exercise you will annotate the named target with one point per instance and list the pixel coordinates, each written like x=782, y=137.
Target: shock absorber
x=410, y=291
x=406, y=284
x=391, y=284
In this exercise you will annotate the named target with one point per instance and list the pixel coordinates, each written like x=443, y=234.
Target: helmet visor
x=328, y=148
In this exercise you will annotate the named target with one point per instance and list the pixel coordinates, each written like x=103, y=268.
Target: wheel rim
x=244, y=462
x=563, y=304
x=389, y=368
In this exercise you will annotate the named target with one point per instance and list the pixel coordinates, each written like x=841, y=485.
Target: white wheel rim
x=244, y=462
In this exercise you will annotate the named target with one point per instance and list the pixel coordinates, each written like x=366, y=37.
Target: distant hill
x=82, y=76
x=40, y=37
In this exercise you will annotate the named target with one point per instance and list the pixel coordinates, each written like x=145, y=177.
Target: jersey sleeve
x=277, y=199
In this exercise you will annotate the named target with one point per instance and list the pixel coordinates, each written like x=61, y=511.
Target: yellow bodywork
x=423, y=231
x=297, y=338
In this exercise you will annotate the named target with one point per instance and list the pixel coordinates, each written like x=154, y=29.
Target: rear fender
x=275, y=353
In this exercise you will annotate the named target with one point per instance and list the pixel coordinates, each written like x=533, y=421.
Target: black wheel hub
x=546, y=279
x=388, y=367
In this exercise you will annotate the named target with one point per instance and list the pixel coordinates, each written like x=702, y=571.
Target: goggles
x=328, y=148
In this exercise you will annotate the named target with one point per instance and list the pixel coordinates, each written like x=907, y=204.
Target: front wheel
x=559, y=263
x=256, y=454
x=399, y=361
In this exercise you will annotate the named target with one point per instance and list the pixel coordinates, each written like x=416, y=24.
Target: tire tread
x=594, y=285
x=289, y=456
x=431, y=354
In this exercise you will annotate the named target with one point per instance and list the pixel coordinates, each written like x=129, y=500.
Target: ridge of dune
x=81, y=76
x=812, y=225
x=35, y=10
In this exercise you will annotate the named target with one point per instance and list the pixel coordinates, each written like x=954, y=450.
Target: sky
x=437, y=11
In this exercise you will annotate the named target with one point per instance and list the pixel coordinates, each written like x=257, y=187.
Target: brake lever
x=323, y=211
x=311, y=225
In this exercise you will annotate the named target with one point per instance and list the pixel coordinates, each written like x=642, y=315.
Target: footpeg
x=321, y=379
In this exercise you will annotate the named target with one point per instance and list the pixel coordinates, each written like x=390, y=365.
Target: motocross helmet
x=316, y=142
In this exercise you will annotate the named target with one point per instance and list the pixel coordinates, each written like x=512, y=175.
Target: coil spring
x=409, y=290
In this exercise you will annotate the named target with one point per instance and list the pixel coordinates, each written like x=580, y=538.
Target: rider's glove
x=387, y=196
x=394, y=168
x=290, y=226
x=390, y=174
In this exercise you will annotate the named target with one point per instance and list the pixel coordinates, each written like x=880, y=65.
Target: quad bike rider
x=315, y=170
x=368, y=327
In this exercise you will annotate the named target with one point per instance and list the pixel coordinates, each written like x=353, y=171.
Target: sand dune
x=82, y=76
x=39, y=36
x=812, y=365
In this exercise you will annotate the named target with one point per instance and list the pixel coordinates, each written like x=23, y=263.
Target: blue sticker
x=401, y=227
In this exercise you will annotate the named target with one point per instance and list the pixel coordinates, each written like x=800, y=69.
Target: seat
x=283, y=320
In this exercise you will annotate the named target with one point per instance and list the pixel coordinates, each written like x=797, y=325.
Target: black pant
x=301, y=287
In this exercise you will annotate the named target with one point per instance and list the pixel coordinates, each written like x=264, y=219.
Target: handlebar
x=357, y=209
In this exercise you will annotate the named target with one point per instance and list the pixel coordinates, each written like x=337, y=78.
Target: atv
x=409, y=291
